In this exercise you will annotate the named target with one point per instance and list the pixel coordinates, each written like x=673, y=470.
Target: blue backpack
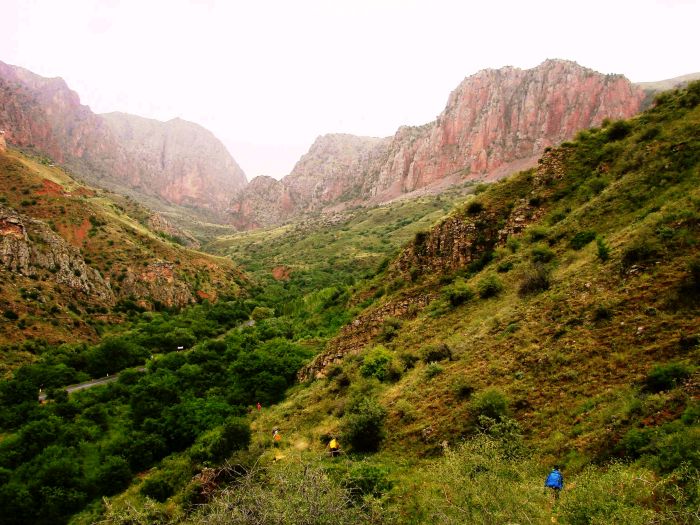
x=555, y=480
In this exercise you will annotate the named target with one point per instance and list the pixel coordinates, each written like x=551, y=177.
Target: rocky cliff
x=494, y=123
x=178, y=162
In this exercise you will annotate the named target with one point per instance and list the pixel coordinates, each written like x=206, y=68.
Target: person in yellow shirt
x=334, y=447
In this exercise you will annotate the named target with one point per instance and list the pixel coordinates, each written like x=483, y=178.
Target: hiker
x=276, y=436
x=555, y=481
x=259, y=406
x=334, y=447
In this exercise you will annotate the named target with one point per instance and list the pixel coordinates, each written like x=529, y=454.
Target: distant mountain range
x=495, y=122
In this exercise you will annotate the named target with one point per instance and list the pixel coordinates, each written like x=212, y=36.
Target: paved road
x=89, y=384
x=109, y=379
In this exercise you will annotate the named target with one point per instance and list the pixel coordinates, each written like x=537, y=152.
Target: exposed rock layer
x=176, y=161
x=495, y=122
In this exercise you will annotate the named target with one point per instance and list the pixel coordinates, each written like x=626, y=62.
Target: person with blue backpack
x=555, y=481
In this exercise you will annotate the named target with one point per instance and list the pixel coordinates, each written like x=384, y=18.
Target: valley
x=457, y=343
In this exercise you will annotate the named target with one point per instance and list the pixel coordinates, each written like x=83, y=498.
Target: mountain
x=180, y=161
x=669, y=83
x=495, y=122
x=161, y=163
x=72, y=256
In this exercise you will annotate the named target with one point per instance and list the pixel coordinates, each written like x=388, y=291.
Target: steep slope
x=495, y=122
x=179, y=160
x=176, y=162
x=72, y=257
x=563, y=288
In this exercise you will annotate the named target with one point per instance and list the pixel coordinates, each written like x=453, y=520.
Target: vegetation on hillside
x=565, y=333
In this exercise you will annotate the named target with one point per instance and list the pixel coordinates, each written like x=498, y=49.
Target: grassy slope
x=109, y=231
x=572, y=359
x=322, y=252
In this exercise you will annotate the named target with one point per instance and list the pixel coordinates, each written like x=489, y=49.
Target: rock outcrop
x=495, y=122
x=29, y=246
x=178, y=162
x=181, y=161
x=160, y=224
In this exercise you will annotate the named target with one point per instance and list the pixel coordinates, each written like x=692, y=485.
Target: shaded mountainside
x=72, y=256
x=176, y=162
x=495, y=122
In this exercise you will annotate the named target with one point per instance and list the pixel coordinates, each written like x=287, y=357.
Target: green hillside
x=552, y=318
x=77, y=260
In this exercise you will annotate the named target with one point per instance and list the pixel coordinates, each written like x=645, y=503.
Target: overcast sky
x=268, y=77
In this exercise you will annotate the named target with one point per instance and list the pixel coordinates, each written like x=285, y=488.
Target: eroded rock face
x=177, y=161
x=28, y=246
x=182, y=162
x=158, y=223
x=495, y=122
x=454, y=243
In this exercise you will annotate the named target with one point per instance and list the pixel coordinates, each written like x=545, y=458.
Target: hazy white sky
x=268, y=77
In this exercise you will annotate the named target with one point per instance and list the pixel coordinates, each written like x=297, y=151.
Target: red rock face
x=500, y=116
x=178, y=161
x=183, y=162
x=495, y=122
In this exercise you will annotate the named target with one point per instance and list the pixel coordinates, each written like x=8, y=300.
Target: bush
x=390, y=329
x=432, y=370
x=641, y=251
x=157, y=487
x=603, y=250
x=581, y=239
x=436, y=352
x=504, y=266
x=490, y=403
x=363, y=427
x=666, y=377
x=405, y=411
x=367, y=480
x=463, y=389
x=618, y=130
x=113, y=476
x=541, y=254
x=474, y=207
x=380, y=364
x=489, y=286
x=458, y=293
x=535, y=280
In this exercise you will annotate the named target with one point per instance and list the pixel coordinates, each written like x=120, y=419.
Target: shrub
x=9, y=314
x=432, y=370
x=541, y=254
x=405, y=411
x=603, y=250
x=436, y=352
x=474, y=207
x=618, y=130
x=535, y=280
x=458, y=293
x=380, y=364
x=581, y=239
x=157, y=487
x=537, y=233
x=641, y=251
x=489, y=286
x=504, y=266
x=490, y=403
x=367, y=480
x=666, y=377
x=463, y=388
x=363, y=427
x=390, y=329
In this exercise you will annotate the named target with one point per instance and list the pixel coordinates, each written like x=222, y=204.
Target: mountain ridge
x=493, y=120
